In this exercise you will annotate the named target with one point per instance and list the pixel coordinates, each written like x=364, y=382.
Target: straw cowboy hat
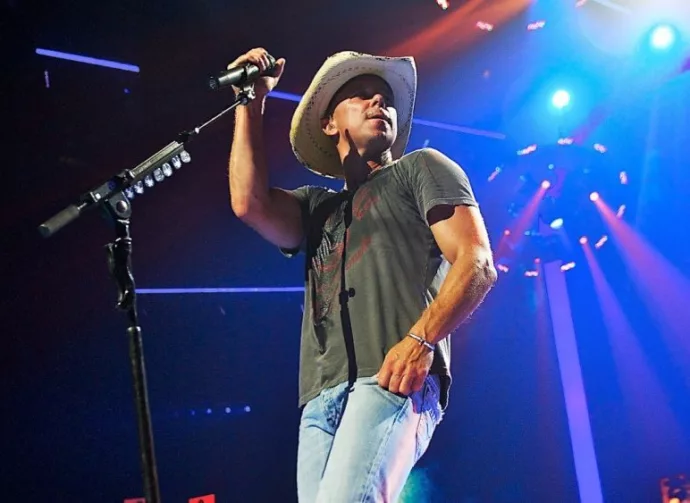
x=310, y=144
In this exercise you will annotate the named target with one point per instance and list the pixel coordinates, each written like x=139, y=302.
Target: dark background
x=70, y=432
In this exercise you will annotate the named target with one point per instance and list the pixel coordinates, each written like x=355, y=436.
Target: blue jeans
x=359, y=444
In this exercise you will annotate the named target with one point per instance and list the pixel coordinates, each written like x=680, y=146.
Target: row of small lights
x=530, y=149
x=226, y=411
x=159, y=174
x=485, y=26
x=534, y=273
x=488, y=26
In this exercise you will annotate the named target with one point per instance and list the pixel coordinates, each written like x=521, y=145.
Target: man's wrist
x=421, y=341
x=254, y=108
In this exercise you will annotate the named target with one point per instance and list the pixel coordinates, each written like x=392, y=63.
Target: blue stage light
x=560, y=99
x=662, y=37
x=556, y=224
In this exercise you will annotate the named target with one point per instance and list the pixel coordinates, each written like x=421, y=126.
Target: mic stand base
x=119, y=210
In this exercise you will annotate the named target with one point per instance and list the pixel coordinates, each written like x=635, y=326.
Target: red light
x=594, y=196
x=545, y=184
x=583, y=240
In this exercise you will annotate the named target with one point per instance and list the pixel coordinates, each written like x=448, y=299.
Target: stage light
x=531, y=274
x=495, y=173
x=623, y=176
x=560, y=99
x=502, y=268
x=556, y=224
x=209, y=411
x=601, y=242
x=545, y=184
x=228, y=410
x=537, y=260
x=594, y=196
x=247, y=408
x=568, y=266
x=527, y=150
x=621, y=211
x=583, y=240
x=506, y=232
x=662, y=37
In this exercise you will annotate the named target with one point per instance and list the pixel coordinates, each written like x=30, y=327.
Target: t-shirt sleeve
x=436, y=180
x=307, y=196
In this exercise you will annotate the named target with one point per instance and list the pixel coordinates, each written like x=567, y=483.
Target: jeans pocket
x=394, y=398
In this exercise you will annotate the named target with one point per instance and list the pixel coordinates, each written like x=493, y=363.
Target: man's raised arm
x=274, y=213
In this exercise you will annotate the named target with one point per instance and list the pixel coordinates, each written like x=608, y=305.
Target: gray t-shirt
x=372, y=267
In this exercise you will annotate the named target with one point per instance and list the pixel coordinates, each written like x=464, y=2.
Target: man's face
x=364, y=108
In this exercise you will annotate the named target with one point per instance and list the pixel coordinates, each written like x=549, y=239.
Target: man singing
x=395, y=261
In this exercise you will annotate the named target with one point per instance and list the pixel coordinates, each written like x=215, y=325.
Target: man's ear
x=328, y=126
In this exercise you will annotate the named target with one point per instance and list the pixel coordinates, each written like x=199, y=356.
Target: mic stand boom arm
x=114, y=196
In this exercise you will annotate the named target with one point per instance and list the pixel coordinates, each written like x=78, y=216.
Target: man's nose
x=378, y=99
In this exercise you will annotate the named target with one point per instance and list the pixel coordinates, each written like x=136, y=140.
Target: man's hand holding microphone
x=255, y=67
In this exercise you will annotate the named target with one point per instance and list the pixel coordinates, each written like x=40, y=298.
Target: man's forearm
x=247, y=167
x=464, y=288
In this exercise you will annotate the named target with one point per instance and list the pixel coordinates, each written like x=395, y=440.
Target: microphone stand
x=114, y=197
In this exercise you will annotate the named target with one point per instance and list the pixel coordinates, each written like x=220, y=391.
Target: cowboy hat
x=310, y=144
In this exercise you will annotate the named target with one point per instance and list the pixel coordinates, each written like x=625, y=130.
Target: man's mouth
x=382, y=117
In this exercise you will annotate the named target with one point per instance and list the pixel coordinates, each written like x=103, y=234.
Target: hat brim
x=311, y=146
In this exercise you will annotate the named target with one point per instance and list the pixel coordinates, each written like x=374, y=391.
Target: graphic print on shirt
x=326, y=262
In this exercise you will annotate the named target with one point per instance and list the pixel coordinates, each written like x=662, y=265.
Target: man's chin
x=382, y=141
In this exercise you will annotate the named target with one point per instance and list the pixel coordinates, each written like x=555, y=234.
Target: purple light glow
x=581, y=439
x=178, y=291
x=88, y=60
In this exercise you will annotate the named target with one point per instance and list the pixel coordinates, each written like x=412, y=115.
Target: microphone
x=240, y=75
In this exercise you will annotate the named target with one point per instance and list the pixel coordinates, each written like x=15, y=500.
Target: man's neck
x=357, y=170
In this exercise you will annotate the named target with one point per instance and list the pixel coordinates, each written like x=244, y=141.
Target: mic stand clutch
x=113, y=197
